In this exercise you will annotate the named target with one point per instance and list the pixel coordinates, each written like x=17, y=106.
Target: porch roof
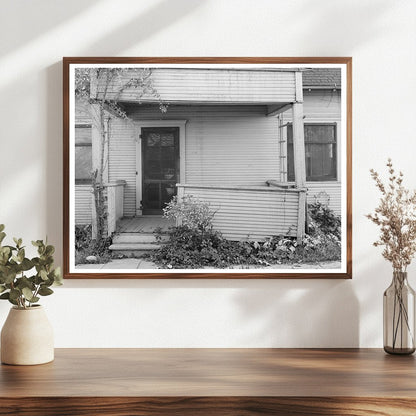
x=209, y=86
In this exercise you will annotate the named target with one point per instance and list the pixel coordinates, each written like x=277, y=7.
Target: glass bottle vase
x=399, y=316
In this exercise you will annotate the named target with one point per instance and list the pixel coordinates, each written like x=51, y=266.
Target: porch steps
x=134, y=244
x=129, y=238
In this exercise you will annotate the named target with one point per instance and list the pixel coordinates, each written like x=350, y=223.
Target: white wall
x=380, y=35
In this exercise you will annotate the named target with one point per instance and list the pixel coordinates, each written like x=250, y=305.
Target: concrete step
x=133, y=249
x=132, y=238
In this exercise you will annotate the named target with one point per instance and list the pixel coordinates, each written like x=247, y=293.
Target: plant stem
x=394, y=315
x=401, y=314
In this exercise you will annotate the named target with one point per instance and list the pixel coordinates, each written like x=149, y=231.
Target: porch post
x=299, y=153
x=98, y=149
x=95, y=154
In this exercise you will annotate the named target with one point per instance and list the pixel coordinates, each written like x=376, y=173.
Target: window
x=320, y=152
x=83, y=153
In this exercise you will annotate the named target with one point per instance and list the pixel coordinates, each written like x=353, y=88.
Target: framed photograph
x=207, y=168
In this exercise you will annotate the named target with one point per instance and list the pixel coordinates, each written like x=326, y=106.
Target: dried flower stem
x=396, y=217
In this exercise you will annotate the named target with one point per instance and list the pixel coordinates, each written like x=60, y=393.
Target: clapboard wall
x=83, y=204
x=254, y=213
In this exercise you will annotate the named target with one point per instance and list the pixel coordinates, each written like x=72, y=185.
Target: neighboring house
x=253, y=143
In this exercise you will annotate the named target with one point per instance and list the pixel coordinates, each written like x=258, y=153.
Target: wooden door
x=160, y=165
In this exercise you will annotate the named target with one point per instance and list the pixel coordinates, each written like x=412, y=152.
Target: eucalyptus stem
x=23, y=279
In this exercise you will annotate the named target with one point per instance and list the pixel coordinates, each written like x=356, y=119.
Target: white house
x=253, y=143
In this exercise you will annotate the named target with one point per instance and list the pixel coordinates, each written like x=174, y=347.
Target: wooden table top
x=214, y=372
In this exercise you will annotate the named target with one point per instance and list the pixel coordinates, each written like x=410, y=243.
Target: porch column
x=99, y=152
x=299, y=154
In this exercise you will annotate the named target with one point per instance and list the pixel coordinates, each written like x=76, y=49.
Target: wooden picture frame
x=240, y=127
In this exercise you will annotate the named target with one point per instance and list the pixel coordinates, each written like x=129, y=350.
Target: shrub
x=324, y=220
x=196, y=244
x=320, y=247
x=85, y=246
x=83, y=236
x=188, y=247
x=191, y=213
x=323, y=240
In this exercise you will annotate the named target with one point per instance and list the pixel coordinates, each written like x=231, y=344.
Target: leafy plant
x=323, y=219
x=16, y=285
x=188, y=248
x=83, y=236
x=190, y=212
x=319, y=247
x=85, y=246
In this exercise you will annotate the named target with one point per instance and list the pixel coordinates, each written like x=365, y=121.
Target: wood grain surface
x=208, y=406
x=212, y=381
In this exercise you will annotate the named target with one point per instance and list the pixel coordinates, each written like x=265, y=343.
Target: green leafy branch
x=16, y=285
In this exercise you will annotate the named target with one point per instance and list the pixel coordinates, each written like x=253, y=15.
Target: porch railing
x=252, y=212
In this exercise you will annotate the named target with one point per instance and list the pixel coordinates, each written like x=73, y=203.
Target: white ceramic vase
x=27, y=337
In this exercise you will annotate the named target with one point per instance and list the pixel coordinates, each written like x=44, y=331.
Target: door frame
x=181, y=124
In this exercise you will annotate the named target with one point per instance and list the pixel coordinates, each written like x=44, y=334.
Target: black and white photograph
x=231, y=168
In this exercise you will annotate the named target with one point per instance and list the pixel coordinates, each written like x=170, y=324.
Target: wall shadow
x=155, y=19
x=54, y=145
x=337, y=19
x=41, y=16
x=301, y=313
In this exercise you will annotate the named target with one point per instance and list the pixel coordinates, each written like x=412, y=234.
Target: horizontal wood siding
x=83, y=204
x=325, y=192
x=250, y=214
x=176, y=85
x=235, y=145
x=319, y=106
x=82, y=113
x=322, y=105
x=232, y=149
x=122, y=161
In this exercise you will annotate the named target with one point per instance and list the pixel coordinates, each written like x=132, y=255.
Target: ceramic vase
x=27, y=337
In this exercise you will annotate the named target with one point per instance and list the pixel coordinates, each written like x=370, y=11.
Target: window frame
x=334, y=124
x=83, y=181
